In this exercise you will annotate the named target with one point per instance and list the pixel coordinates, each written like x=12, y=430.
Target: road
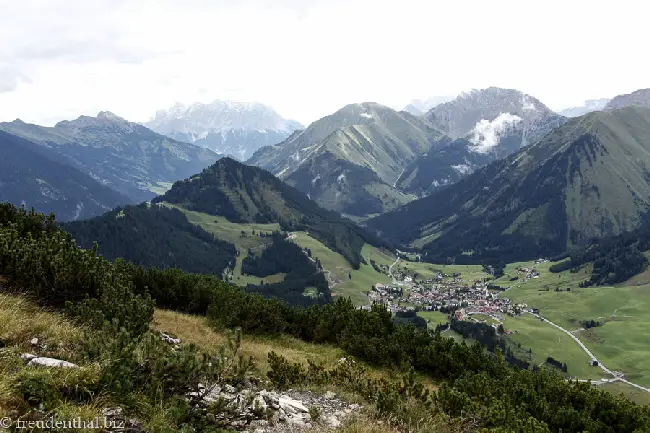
x=600, y=364
x=390, y=270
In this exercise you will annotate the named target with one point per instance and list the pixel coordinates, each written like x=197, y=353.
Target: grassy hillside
x=345, y=281
x=586, y=179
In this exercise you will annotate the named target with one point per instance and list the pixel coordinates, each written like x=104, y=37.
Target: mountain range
x=587, y=179
x=37, y=177
x=124, y=156
x=640, y=98
x=589, y=106
x=418, y=107
x=236, y=129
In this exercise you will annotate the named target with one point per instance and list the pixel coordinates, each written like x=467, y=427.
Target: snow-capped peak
x=219, y=116
x=229, y=127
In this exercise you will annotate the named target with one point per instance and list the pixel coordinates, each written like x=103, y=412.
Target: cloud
x=305, y=58
x=10, y=78
x=487, y=134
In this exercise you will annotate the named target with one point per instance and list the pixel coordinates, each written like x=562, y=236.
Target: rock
x=230, y=389
x=291, y=404
x=169, y=339
x=34, y=341
x=329, y=395
x=332, y=421
x=354, y=406
x=27, y=356
x=259, y=403
x=50, y=362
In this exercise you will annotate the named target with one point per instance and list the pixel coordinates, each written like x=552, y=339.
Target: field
x=433, y=318
x=544, y=340
x=340, y=270
x=636, y=395
x=624, y=311
x=244, y=236
x=427, y=270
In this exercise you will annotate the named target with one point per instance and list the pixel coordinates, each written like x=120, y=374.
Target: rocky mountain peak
x=105, y=120
x=639, y=98
x=228, y=127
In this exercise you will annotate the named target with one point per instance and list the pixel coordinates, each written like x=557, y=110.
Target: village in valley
x=468, y=300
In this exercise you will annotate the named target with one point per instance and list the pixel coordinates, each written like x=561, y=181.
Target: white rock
x=50, y=362
x=34, y=341
x=169, y=339
x=329, y=395
x=27, y=356
x=332, y=421
x=259, y=403
x=295, y=405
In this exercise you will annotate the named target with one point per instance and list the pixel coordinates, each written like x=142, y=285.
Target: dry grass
x=21, y=320
x=195, y=329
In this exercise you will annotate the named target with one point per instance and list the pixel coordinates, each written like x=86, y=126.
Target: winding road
x=615, y=377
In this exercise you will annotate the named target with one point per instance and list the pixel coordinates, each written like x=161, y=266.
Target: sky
x=308, y=58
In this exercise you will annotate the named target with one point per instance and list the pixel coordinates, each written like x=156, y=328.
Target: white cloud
x=307, y=58
x=487, y=133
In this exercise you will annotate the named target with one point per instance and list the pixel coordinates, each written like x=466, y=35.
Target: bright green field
x=362, y=279
x=428, y=270
x=634, y=394
x=433, y=317
x=545, y=341
x=621, y=343
x=239, y=234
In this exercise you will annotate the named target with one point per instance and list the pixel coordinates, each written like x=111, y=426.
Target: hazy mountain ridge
x=589, y=106
x=639, y=98
x=587, y=179
x=367, y=141
x=232, y=128
x=122, y=155
x=418, y=107
x=42, y=179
